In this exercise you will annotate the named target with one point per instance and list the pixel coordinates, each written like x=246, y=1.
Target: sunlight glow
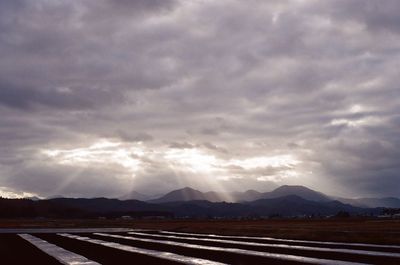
x=101, y=152
x=193, y=159
x=187, y=163
x=367, y=121
x=356, y=108
x=11, y=194
x=265, y=161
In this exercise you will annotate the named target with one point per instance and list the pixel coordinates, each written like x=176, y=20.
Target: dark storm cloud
x=208, y=81
x=183, y=145
x=134, y=137
x=79, y=46
x=374, y=15
x=214, y=147
x=369, y=162
x=25, y=98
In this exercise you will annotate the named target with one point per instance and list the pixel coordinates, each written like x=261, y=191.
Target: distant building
x=126, y=217
x=385, y=216
x=396, y=216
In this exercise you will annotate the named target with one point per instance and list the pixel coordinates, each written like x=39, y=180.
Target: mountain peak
x=187, y=189
x=190, y=194
x=184, y=194
x=251, y=191
x=292, y=187
x=301, y=191
x=134, y=195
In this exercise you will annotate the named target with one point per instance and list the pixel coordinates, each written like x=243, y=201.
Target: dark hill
x=78, y=208
x=103, y=205
x=189, y=194
x=293, y=205
x=300, y=191
x=185, y=194
x=390, y=202
x=287, y=206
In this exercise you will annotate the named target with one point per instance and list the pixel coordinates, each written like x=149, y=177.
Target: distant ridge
x=101, y=205
x=284, y=206
x=190, y=194
x=300, y=191
x=287, y=206
x=285, y=201
x=134, y=195
x=185, y=194
x=390, y=202
x=296, y=205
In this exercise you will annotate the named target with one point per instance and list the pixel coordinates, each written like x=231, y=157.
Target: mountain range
x=285, y=201
x=190, y=194
x=389, y=202
x=287, y=206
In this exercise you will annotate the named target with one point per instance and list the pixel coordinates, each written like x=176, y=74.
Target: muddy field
x=346, y=230
x=94, y=246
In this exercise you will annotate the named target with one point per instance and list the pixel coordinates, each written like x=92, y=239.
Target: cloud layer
x=98, y=98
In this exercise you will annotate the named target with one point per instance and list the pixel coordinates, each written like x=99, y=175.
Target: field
x=190, y=242
x=341, y=230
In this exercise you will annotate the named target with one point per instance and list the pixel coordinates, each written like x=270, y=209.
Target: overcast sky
x=102, y=97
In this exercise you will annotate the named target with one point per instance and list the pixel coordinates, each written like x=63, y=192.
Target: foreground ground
x=94, y=246
x=346, y=230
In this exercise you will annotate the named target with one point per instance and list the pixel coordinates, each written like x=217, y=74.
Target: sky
x=106, y=97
